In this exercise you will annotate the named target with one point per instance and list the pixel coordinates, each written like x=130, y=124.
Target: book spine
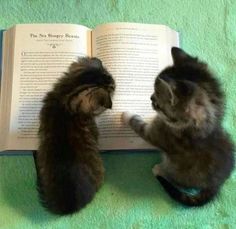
x=1, y=47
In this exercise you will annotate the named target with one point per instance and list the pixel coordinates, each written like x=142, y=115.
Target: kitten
x=197, y=152
x=68, y=164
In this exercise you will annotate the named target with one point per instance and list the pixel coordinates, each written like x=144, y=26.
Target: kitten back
x=69, y=167
x=199, y=153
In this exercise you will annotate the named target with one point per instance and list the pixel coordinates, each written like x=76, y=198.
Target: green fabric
x=131, y=197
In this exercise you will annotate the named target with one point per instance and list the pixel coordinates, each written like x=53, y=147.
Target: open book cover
x=1, y=36
x=34, y=56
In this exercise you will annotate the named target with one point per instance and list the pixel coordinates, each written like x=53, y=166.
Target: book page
x=134, y=54
x=42, y=52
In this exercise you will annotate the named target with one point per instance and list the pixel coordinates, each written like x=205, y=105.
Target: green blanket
x=130, y=196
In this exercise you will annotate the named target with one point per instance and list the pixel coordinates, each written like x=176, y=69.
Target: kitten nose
x=152, y=98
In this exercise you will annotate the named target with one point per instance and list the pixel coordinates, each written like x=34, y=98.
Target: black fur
x=69, y=167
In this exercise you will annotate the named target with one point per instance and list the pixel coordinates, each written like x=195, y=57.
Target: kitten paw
x=156, y=170
x=126, y=116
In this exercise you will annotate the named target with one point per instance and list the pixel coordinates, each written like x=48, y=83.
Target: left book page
x=41, y=53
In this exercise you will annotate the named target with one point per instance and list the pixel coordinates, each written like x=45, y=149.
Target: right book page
x=134, y=54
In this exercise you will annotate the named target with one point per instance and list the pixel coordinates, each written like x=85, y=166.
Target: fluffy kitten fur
x=197, y=152
x=69, y=167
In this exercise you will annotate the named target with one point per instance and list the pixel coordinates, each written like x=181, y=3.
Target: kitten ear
x=90, y=62
x=166, y=90
x=180, y=57
x=95, y=62
x=85, y=62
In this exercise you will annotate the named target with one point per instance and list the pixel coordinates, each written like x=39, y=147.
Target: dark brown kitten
x=69, y=167
x=197, y=152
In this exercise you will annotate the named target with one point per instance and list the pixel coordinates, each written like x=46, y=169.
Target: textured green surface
x=130, y=197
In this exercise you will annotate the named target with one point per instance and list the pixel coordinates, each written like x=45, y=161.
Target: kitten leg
x=148, y=131
x=136, y=123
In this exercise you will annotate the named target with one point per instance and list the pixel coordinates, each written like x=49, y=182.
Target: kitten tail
x=203, y=197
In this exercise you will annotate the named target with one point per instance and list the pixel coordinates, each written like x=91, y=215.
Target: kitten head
x=87, y=87
x=186, y=94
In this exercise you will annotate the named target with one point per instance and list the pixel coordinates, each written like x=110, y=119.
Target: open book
x=35, y=55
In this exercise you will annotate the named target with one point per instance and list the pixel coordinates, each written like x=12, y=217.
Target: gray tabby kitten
x=197, y=152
